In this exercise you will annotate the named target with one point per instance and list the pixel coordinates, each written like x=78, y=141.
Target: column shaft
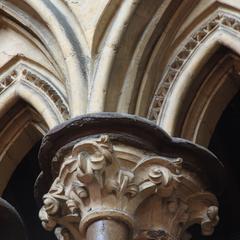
x=107, y=230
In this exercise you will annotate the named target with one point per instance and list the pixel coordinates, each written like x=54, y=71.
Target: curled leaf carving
x=210, y=221
x=93, y=182
x=156, y=175
x=51, y=204
x=47, y=222
x=124, y=184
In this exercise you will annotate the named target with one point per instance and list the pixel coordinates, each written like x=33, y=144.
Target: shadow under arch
x=32, y=101
x=20, y=194
x=224, y=142
x=220, y=85
x=20, y=128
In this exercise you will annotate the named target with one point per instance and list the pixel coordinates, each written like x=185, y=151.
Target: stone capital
x=121, y=177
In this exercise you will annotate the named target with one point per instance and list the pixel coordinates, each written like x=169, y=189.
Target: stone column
x=11, y=224
x=113, y=176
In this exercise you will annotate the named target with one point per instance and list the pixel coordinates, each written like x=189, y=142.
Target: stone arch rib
x=220, y=20
x=70, y=49
x=43, y=93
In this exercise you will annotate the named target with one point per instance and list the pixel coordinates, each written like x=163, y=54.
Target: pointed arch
x=220, y=85
x=181, y=81
x=58, y=31
x=37, y=86
x=32, y=101
x=171, y=109
x=124, y=51
x=222, y=29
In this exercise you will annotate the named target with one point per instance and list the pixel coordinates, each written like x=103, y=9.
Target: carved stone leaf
x=47, y=222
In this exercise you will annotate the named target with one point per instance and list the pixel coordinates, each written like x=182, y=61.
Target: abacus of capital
x=116, y=176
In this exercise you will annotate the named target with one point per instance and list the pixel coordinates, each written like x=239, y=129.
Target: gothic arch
x=124, y=51
x=57, y=31
x=38, y=87
x=170, y=109
x=72, y=57
x=32, y=101
x=220, y=85
x=193, y=55
x=37, y=95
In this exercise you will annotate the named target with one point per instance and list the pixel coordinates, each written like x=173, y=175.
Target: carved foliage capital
x=94, y=183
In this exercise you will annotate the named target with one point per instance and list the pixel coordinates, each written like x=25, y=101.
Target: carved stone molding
x=8, y=80
x=22, y=73
x=49, y=90
x=102, y=178
x=220, y=19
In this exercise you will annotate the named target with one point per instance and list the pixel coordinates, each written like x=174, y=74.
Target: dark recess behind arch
x=20, y=193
